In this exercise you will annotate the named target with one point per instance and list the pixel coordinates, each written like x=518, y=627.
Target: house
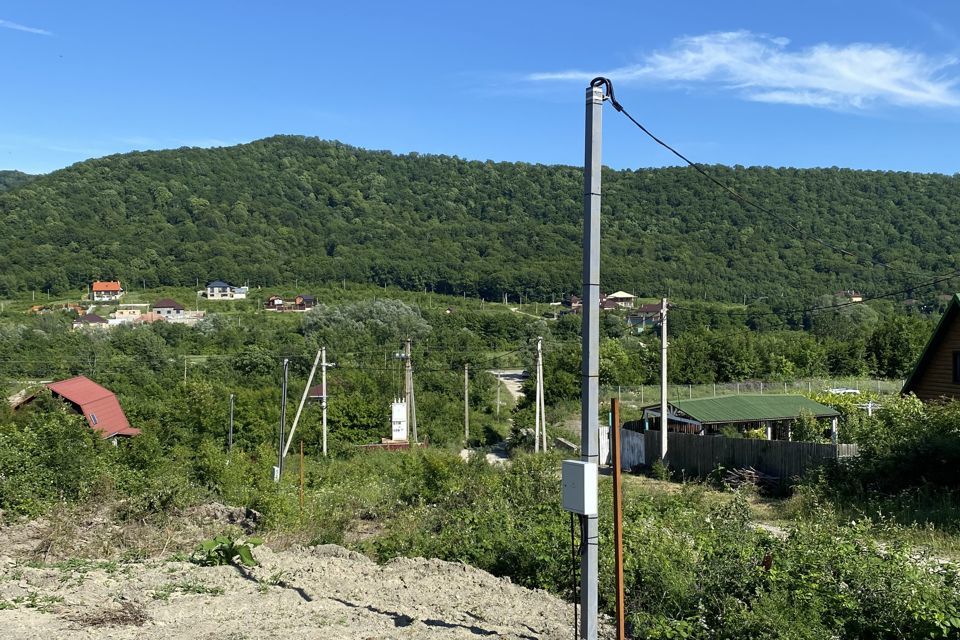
x=220, y=290
x=622, y=299
x=773, y=413
x=168, y=309
x=124, y=316
x=852, y=296
x=149, y=318
x=106, y=291
x=274, y=303
x=645, y=315
x=936, y=375
x=304, y=302
x=97, y=404
x=90, y=321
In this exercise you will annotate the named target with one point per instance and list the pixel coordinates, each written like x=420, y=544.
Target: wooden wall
x=935, y=380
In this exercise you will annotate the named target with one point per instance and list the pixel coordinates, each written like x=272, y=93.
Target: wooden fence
x=697, y=456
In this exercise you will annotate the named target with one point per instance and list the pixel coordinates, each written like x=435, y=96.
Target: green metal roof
x=752, y=408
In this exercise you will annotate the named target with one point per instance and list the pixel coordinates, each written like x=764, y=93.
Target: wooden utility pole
x=664, y=419
x=617, y=519
x=301, y=479
x=466, y=405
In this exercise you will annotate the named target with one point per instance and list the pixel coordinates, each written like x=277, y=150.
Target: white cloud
x=6, y=24
x=765, y=69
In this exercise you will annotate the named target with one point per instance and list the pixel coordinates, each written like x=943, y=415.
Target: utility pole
x=590, y=336
x=664, y=420
x=617, y=518
x=323, y=400
x=303, y=401
x=230, y=432
x=283, y=418
x=466, y=405
x=498, y=398
x=540, y=418
x=408, y=378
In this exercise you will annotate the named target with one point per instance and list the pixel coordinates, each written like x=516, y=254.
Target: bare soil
x=85, y=573
x=304, y=592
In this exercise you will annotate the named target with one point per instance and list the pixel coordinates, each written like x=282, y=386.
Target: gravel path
x=312, y=592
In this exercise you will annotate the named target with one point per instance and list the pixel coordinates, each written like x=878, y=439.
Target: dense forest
x=288, y=208
x=13, y=179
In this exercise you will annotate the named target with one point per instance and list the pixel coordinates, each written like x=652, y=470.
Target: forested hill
x=288, y=208
x=11, y=179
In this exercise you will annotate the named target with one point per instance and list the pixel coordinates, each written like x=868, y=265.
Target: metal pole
x=323, y=400
x=618, y=519
x=590, y=336
x=230, y=432
x=283, y=416
x=664, y=419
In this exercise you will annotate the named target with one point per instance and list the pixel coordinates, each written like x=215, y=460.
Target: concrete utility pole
x=323, y=400
x=230, y=432
x=283, y=418
x=303, y=401
x=590, y=336
x=466, y=405
x=411, y=406
x=664, y=419
x=540, y=417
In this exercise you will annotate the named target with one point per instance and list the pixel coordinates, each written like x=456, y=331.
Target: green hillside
x=14, y=179
x=293, y=208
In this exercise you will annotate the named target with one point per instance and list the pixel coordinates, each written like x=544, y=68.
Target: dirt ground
x=80, y=575
x=312, y=592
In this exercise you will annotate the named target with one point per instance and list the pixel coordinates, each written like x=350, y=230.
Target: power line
x=785, y=312
x=737, y=195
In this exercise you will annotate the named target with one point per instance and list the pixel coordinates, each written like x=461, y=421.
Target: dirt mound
x=304, y=592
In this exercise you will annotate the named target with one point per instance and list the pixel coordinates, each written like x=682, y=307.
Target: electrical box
x=579, y=482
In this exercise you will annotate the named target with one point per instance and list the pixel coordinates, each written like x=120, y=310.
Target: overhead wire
x=736, y=194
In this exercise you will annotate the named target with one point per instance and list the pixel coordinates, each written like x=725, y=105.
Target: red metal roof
x=110, y=285
x=99, y=406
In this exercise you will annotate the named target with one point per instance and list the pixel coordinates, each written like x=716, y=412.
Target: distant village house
x=106, y=291
x=220, y=290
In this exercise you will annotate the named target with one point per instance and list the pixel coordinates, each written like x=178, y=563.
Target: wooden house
x=936, y=375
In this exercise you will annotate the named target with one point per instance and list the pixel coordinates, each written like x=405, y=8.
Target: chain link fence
x=635, y=397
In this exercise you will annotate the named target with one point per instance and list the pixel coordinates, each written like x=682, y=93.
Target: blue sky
x=870, y=85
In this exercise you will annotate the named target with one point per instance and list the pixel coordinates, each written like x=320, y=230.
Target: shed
x=98, y=405
x=774, y=413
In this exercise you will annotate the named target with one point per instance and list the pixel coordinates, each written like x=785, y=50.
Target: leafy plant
x=226, y=550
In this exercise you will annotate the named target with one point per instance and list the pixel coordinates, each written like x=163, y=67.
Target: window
x=956, y=367
x=93, y=417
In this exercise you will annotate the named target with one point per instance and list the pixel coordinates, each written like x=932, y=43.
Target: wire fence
x=635, y=397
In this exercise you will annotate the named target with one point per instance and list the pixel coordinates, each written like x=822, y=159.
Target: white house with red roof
x=98, y=405
x=106, y=291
